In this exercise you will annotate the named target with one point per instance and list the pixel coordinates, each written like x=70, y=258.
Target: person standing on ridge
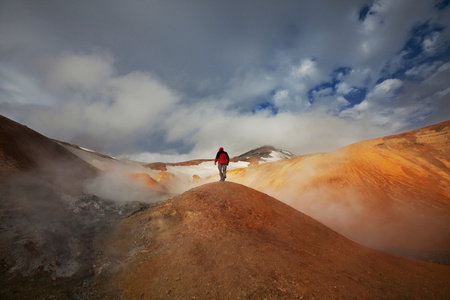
x=223, y=159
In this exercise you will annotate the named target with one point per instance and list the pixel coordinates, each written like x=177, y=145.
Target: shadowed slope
x=47, y=220
x=224, y=240
x=23, y=149
x=391, y=192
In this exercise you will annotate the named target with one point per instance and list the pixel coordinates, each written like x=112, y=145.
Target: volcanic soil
x=390, y=193
x=227, y=241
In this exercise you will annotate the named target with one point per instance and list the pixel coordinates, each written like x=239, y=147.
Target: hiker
x=223, y=159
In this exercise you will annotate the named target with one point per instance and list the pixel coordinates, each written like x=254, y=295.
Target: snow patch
x=204, y=170
x=86, y=149
x=276, y=156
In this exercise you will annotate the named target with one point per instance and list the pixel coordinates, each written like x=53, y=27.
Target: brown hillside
x=226, y=241
x=47, y=219
x=23, y=149
x=391, y=193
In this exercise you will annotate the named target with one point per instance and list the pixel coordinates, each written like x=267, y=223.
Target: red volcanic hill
x=392, y=193
x=226, y=241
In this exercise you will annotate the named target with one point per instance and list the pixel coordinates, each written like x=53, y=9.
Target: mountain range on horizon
x=76, y=223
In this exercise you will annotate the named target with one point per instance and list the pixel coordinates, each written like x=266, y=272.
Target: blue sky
x=176, y=80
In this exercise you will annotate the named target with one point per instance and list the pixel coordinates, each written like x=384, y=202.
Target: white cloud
x=443, y=93
x=208, y=127
x=342, y=101
x=139, y=100
x=429, y=44
x=100, y=107
x=192, y=82
x=423, y=71
x=358, y=77
x=343, y=88
x=440, y=77
x=18, y=88
x=393, y=104
x=306, y=70
x=323, y=93
x=385, y=89
x=281, y=96
x=72, y=71
x=170, y=157
x=305, y=75
x=284, y=101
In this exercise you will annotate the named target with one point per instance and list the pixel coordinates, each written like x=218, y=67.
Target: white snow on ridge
x=108, y=163
x=204, y=170
x=275, y=156
x=86, y=149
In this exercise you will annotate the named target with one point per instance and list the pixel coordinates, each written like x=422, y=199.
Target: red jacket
x=222, y=157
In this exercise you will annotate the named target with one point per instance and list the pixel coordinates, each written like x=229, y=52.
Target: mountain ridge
x=23, y=149
x=253, y=157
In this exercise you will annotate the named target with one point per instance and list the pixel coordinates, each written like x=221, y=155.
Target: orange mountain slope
x=226, y=241
x=389, y=193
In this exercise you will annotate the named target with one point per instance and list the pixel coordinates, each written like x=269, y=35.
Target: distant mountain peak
x=264, y=154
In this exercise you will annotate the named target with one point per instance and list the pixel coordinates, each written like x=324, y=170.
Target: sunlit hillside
x=388, y=193
x=226, y=241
